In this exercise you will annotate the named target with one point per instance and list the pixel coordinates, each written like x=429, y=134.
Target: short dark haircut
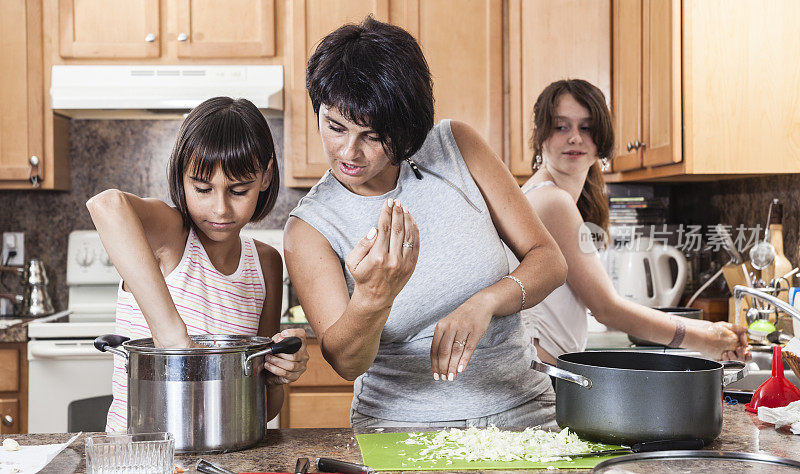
x=376, y=76
x=228, y=134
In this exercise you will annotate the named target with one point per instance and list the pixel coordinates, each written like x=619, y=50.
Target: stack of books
x=638, y=210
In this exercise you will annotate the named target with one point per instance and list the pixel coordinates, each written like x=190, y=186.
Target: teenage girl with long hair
x=572, y=136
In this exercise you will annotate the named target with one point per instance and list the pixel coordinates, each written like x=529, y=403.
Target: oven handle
x=54, y=350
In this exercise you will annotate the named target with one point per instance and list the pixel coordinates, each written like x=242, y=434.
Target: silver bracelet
x=521, y=287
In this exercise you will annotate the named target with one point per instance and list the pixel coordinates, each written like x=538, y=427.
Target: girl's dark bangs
x=223, y=145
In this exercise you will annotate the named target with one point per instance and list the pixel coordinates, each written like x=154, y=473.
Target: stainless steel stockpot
x=625, y=397
x=212, y=399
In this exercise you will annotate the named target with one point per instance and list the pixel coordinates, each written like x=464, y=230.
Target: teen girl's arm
x=349, y=328
x=542, y=267
x=588, y=280
x=140, y=236
x=283, y=368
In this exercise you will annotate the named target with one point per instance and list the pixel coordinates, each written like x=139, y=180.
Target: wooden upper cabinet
x=646, y=102
x=660, y=140
x=719, y=98
x=464, y=50
x=626, y=96
x=21, y=93
x=225, y=28
x=551, y=40
x=309, y=22
x=109, y=28
x=741, y=86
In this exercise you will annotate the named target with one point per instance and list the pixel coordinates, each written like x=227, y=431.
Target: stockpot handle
x=561, y=374
x=110, y=343
x=729, y=379
x=290, y=345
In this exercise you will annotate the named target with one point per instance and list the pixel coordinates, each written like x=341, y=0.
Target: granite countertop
x=741, y=431
x=16, y=333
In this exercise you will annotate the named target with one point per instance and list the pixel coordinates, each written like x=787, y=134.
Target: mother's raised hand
x=383, y=261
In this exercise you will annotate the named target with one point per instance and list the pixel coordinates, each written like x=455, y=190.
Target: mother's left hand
x=286, y=368
x=455, y=339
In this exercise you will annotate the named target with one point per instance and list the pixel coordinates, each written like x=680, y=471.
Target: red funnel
x=776, y=391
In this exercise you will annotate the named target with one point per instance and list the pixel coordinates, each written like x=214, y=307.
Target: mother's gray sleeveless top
x=460, y=254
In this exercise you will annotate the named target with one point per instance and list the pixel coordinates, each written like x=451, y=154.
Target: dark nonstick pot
x=631, y=397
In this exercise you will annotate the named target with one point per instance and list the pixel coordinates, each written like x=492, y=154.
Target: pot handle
x=110, y=343
x=290, y=345
x=729, y=379
x=561, y=374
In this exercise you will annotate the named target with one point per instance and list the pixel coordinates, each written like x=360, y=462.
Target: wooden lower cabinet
x=319, y=398
x=13, y=388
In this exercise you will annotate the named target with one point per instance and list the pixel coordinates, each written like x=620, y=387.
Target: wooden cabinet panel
x=325, y=409
x=468, y=79
x=9, y=416
x=741, y=86
x=225, y=28
x=627, y=88
x=21, y=91
x=310, y=21
x=109, y=28
x=661, y=87
x=550, y=40
x=13, y=387
x=318, y=371
x=9, y=370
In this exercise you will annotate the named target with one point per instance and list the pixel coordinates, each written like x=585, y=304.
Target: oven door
x=61, y=372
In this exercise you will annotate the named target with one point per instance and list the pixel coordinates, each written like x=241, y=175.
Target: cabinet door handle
x=641, y=145
x=8, y=420
x=150, y=38
x=182, y=37
x=631, y=146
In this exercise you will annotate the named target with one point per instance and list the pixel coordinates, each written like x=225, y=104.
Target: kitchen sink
x=760, y=370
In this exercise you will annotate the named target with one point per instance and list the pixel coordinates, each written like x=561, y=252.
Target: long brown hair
x=593, y=201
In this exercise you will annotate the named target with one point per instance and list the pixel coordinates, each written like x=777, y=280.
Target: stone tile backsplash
x=132, y=154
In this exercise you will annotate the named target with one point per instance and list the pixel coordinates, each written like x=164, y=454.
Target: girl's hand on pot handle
x=383, y=261
x=728, y=341
x=286, y=368
x=455, y=338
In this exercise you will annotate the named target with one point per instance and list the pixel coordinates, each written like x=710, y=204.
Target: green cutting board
x=386, y=452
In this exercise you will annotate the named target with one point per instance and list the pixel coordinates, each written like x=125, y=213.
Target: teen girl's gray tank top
x=460, y=254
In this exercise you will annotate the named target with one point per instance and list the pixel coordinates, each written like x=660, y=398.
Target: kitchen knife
x=334, y=465
x=302, y=466
x=665, y=445
x=209, y=468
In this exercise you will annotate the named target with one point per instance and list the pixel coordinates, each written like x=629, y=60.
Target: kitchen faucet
x=739, y=291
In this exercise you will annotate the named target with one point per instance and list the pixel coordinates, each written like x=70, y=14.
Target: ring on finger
x=408, y=244
x=460, y=343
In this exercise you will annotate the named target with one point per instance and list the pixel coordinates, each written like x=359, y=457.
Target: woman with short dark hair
x=420, y=311
x=572, y=138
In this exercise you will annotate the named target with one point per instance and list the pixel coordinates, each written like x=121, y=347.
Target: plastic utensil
x=776, y=391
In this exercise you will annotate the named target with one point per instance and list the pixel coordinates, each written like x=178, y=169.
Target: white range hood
x=143, y=91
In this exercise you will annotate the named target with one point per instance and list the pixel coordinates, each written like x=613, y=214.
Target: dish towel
x=782, y=416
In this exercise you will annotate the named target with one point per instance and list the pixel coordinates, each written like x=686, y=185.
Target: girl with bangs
x=185, y=270
x=397, y=252
x=573, y=139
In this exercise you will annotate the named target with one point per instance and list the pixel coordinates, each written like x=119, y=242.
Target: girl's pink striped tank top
x=207, y=301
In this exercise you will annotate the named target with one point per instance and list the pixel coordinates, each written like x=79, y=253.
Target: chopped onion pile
x=493, y=444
